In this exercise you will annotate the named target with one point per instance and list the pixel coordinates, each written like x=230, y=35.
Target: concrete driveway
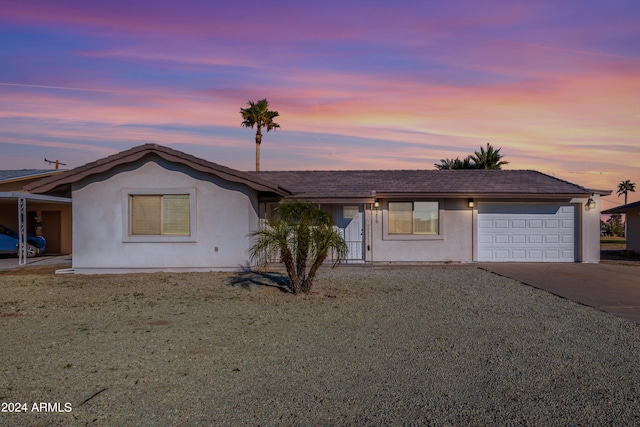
x=612, y=288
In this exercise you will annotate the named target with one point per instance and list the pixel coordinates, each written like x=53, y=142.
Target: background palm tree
x=258, y=115
x=456, y=163
x=489, y=159
x=483, y=159
x=626, y=187
x=302, y=234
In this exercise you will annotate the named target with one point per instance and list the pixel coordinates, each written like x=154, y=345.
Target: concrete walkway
x=8, y=262
x=612, y=288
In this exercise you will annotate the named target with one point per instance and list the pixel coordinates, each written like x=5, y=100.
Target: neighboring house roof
x=356, y=184
x=61, y=184
x=25, y=174
x=623, y=209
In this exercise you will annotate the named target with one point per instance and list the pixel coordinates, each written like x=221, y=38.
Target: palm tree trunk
x=257, y=157
x=625, y=219
x=312, y=272
x=294, y=280
x=258, y=142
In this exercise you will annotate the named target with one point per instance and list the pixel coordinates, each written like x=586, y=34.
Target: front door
x=349, y=220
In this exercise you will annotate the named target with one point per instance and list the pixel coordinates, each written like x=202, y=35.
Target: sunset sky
x=358, y=84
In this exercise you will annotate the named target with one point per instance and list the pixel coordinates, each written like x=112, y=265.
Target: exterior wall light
x=471, y=204
x=591, y=204
x=376, y=204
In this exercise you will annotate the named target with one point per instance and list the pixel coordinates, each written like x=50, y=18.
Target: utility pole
x=57, y=163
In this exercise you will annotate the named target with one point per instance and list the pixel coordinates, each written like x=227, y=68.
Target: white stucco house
x=152, y=208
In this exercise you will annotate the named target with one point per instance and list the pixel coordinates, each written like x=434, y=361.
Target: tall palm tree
x=258, y=115
x=489, y=159
x=626, y=187
x=302, y=234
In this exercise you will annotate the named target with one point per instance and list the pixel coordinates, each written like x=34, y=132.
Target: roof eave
x=28, y=177
x=601, y=192
x=485, y=195
x=135, y=154
x=34, y=197
x=331, y=200
x=630, y=207
x=320, y=198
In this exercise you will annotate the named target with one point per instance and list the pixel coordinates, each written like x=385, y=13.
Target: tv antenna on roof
x=57, y=163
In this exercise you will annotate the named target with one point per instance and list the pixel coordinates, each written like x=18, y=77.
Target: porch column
x=22, y=230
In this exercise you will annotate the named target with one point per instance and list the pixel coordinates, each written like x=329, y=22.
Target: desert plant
x=615, y=226
x=304, y=236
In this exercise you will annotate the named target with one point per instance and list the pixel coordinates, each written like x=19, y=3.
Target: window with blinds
x=413, y=218
x=160, y=215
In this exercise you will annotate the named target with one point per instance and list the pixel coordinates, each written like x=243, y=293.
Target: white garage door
x=526, y=232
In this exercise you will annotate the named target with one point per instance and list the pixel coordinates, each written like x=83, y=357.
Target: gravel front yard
x=402, y=346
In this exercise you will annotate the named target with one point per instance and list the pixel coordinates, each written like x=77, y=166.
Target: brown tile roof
x=60, y=184
x=465, y=183
x=354, y=184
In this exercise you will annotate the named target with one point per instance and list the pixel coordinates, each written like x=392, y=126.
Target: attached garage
x=526, y=232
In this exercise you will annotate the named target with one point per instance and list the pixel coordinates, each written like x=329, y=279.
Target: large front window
x=413, y=218
x=160, y=215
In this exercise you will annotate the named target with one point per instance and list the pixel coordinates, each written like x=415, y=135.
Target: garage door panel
x=486, y=238
x=526, y=232
x=519, y=254
x=486, y=255
x=536, y=238
x=535, y=254
x=552, y=238
x=485, y=224
x=501, y=254
x=502, y=238
x=518, y=239
x=549, y=254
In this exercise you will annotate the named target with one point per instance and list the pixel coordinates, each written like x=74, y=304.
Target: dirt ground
x=411, y=346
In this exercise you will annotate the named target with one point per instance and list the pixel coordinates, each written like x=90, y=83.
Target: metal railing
x=353, y=256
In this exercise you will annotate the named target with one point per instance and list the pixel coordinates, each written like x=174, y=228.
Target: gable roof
x=359, y=184
x=623, y=209
x=61, y=184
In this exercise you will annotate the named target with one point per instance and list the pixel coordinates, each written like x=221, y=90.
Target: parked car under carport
x=9, y=243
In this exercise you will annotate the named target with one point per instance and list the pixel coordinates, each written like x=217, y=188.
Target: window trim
x=128, y=237
x=391, y=236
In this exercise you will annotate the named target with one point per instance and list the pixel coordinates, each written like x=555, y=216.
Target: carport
x=20, y=200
